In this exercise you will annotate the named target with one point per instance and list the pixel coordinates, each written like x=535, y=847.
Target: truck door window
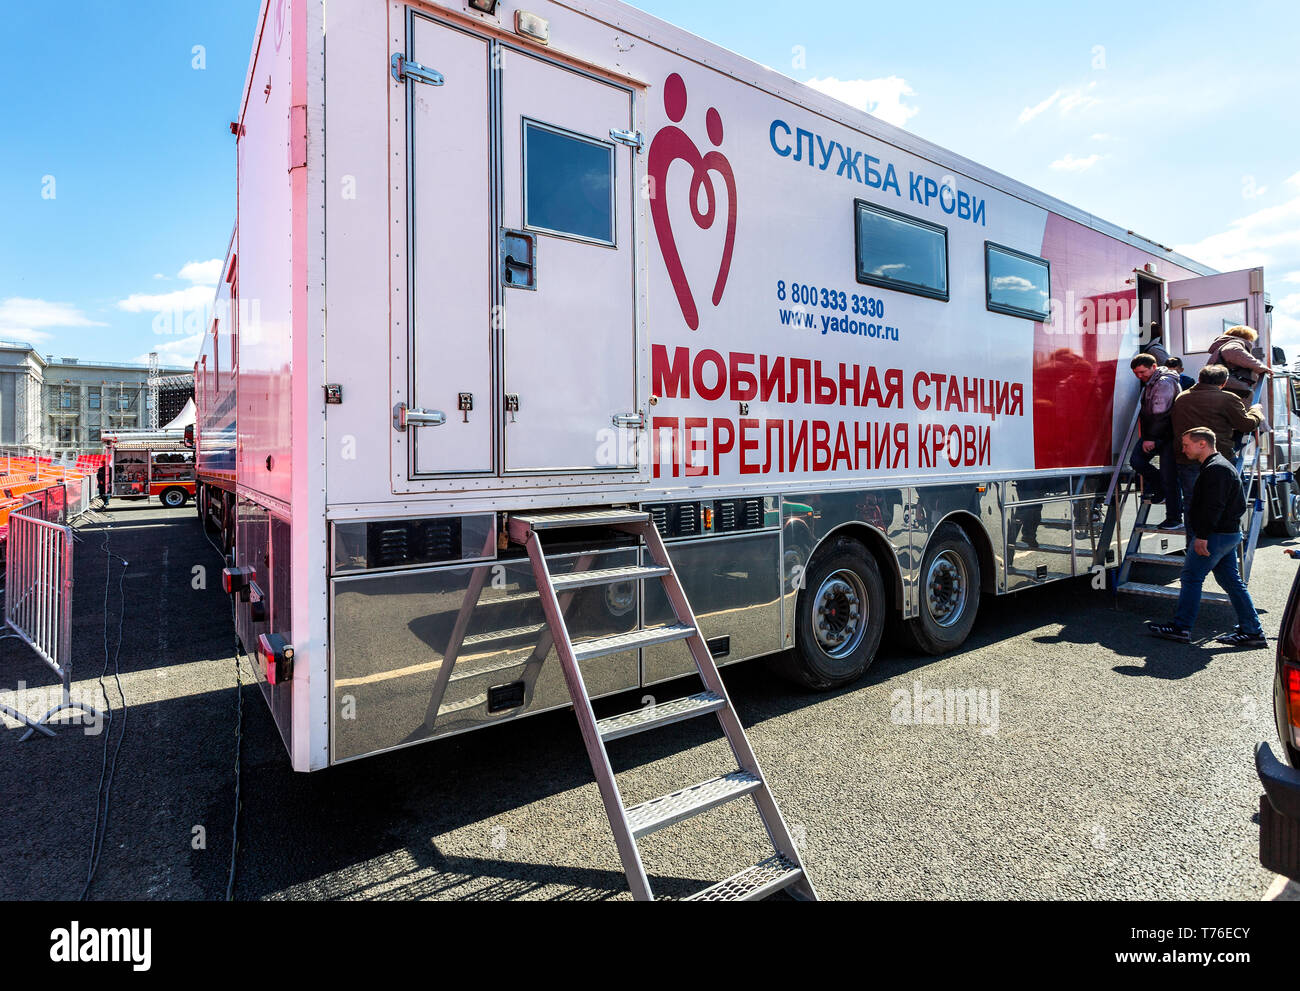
x=568, y=184
x=1202, y=324
x=896, y=251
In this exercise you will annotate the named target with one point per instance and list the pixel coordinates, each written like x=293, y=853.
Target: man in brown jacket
x=1209, y=404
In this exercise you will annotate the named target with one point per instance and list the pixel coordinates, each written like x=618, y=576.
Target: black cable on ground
x=239, y=731
x=107, y=771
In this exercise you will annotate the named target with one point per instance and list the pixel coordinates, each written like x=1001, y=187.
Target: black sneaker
x=1171, y=526
x=1167, y=631
x=1239, y=639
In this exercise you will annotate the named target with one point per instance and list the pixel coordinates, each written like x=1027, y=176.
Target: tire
x=950, y=593
x=203, y=499
x=1287, y=525
x=843, y=576
x=174, y=498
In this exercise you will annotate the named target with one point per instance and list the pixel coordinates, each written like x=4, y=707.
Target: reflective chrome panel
x=733, y=586
x=392, y=632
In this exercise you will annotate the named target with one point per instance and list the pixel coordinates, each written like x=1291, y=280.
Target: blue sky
x=1178, y=121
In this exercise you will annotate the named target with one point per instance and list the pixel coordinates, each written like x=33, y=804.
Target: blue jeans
x=1162, y=483
x=1222, y=561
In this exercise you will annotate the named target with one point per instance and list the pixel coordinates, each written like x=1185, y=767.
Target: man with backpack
x=1232, y=349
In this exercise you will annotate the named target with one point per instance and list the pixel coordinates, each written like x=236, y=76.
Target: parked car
x=1279, y=806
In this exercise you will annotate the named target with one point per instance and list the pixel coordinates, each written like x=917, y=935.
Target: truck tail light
x=1291, y=692
x=236, y=580
x=276, y=656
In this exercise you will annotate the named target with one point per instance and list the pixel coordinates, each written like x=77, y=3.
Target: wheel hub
x=840, y=613
x=946, y=588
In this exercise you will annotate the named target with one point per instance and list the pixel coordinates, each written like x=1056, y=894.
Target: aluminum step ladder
x=784, y=869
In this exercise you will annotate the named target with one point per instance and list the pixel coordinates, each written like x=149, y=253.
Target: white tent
x=185, y=418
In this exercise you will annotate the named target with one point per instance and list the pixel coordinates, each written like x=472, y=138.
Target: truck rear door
x=1203, y=308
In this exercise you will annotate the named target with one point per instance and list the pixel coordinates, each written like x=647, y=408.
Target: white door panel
x=570, y=340
x=453, y=253
x=1202, y=308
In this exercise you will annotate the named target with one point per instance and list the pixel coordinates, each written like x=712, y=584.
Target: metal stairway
x=783, y=870
x=1124, y=484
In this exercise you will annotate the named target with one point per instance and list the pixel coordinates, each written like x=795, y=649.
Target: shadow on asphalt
x=368, y=828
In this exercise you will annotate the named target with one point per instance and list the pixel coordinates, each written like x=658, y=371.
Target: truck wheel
x=839, y=617
x=950, y=592
x=1288, y=524
x=174, y=498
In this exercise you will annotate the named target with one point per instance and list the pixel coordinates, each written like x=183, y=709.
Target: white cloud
x=1029, y=113
x=206, y=273
x=1270, y=238
x=1066, y=101
x=191, y=298
x=21, y=319
x=17, y=311
x=180, y=351
x=1015, y=283
x=883, y=98
x=1071, y=164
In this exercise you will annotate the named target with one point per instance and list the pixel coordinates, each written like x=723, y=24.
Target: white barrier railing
x=38, y=599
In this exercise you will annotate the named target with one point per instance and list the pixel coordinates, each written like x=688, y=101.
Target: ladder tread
x=663, y=714
x=580, y=518
x=607, y=576
x=764, y=878
x=1167, y=591
x=601, y=646
x=686, y=802
x=510, y=634
x=1170, y=560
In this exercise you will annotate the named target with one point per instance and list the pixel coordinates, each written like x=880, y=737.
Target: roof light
x=484, y=6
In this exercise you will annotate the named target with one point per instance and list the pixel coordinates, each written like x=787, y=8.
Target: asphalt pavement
x=1094, y=763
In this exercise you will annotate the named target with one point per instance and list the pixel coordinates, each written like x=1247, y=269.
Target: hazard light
x=236, y=580
x=276, y=656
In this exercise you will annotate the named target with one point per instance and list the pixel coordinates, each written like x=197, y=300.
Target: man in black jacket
x=1159, y=390
x=1214, y=518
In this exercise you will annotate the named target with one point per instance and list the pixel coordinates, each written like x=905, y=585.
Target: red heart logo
x=670, y=145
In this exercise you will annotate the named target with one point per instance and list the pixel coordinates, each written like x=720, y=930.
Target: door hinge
x=632, y=139
x=404, y=69
x=633, y=421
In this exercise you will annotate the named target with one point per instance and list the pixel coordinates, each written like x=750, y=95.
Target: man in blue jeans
x=1214, y=518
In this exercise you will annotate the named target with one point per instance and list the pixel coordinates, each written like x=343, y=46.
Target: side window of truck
x=1017, y=284
x=895, y=251
x=568, y=184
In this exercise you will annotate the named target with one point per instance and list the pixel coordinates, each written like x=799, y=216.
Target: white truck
x=510, y=282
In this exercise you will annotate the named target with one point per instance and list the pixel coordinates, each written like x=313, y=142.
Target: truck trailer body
x=570, y=256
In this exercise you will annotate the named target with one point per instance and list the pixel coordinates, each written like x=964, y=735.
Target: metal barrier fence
x=38, y=598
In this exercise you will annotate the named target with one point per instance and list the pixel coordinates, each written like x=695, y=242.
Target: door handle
x=404, y=417
x=633, y=420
